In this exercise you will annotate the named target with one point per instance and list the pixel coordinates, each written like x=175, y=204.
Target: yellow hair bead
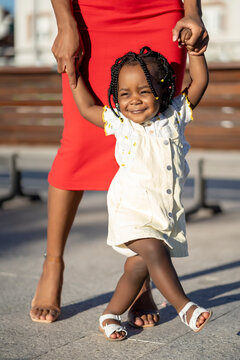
x=157, y=97
x=162, y=80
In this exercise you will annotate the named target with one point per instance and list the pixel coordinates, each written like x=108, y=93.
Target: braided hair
x=165, y=76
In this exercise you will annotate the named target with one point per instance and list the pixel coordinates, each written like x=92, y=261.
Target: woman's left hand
x=197, y=43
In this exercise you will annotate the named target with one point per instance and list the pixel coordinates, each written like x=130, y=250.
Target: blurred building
x=221, y=18
x=6, y=37
x=35, y=30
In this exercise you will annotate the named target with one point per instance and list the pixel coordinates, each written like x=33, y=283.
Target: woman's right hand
x=68, y=51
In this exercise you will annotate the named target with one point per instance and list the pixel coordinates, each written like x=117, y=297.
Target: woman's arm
x=68, y=43
x=199, y=78
x=86, y=104
x=192, y=20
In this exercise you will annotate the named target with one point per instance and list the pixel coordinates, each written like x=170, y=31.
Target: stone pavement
x=210, y=277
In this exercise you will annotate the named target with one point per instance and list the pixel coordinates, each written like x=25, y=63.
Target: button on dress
x=144, y=198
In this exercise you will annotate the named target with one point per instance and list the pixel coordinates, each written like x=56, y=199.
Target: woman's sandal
x=131, y=322
x=108, y=330
x=198, y=311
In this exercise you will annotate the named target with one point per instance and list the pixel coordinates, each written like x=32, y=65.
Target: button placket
x=169, y=174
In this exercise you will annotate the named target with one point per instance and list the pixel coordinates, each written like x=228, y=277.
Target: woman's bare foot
x=144, y=312
x=46, y=302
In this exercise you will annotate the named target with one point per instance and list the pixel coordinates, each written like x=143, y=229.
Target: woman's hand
x=68, y=51
x=197, y=43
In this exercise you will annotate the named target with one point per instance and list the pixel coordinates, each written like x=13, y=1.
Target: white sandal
x=198, y=311
x=108, y=330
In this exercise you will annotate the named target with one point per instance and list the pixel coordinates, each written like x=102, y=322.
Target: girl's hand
x=197, y=43
x=68, y=51
x=184, y=36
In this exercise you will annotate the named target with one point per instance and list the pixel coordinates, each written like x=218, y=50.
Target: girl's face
x=135, y=98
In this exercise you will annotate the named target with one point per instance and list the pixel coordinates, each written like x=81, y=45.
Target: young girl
x=146, y=216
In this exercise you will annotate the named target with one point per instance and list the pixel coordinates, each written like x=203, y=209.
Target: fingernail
x=73, y=86
x=174, y=38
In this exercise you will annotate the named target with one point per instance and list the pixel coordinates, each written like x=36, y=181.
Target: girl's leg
x=144, y=311
x=157, y=258
x=128, y=287
x=62, y=207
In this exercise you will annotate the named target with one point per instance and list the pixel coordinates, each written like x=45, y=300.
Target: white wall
x=35, y=30
x=222, y=20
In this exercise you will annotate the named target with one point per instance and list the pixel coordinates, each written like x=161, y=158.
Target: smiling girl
x=146, y=215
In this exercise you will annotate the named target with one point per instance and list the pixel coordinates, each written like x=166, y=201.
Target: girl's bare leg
x=156, y=256
x=62, y=207
x=128, y=287
x=144, y=310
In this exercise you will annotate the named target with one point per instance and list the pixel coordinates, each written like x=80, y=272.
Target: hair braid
x=165, y=76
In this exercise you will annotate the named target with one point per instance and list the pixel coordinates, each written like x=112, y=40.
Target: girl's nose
x=135, y=99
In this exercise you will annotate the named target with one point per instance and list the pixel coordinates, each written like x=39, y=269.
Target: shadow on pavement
x=208, y=297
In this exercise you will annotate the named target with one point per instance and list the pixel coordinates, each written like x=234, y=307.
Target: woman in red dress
x=97, y=32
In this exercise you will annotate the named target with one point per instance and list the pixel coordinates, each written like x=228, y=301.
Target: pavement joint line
x=59, y=347
x=147, y=341
x=14, y=275
x=223, y=314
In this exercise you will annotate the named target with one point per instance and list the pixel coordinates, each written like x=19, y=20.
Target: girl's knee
x=154, y=250
x=136, y=265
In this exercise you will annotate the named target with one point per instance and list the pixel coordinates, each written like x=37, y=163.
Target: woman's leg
x=157, y=258
x=128, y=287
x=62, y=208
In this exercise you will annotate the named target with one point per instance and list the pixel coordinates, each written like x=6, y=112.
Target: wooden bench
x=30, y=106
x=31, y=114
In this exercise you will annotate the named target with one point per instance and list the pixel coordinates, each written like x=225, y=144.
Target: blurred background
x=28, y=28
x=31, y=118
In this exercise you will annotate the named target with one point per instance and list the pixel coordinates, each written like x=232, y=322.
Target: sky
x=8, y=5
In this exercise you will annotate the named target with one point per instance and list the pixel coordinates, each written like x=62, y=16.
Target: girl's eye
x=145, y=92
x=124, y=94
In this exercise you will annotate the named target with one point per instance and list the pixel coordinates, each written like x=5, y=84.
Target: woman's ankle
x=53, y=258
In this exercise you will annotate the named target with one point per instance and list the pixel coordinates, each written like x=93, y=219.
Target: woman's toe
x=35, y=313
x=44, y=314
x=52, y=315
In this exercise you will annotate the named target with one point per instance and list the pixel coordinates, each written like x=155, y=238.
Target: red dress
x=85, y=160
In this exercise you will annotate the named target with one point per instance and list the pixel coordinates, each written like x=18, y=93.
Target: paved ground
x=210, y=276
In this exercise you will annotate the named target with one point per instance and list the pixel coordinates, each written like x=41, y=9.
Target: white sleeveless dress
x=144, y=198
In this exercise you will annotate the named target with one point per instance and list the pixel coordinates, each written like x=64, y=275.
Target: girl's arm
x=86, y=104
x=67, y=43
x=199, y=78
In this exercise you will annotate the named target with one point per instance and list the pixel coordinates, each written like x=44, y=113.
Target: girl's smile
x=135, y=98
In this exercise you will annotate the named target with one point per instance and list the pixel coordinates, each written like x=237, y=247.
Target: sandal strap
x=109, y=329
x=192, y=322
x=184, y=310
x=108, y=316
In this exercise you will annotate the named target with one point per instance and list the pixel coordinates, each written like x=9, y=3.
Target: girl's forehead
x=130, y=72
x=137, y=69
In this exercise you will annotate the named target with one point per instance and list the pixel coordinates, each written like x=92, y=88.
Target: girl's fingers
x=198, y=49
